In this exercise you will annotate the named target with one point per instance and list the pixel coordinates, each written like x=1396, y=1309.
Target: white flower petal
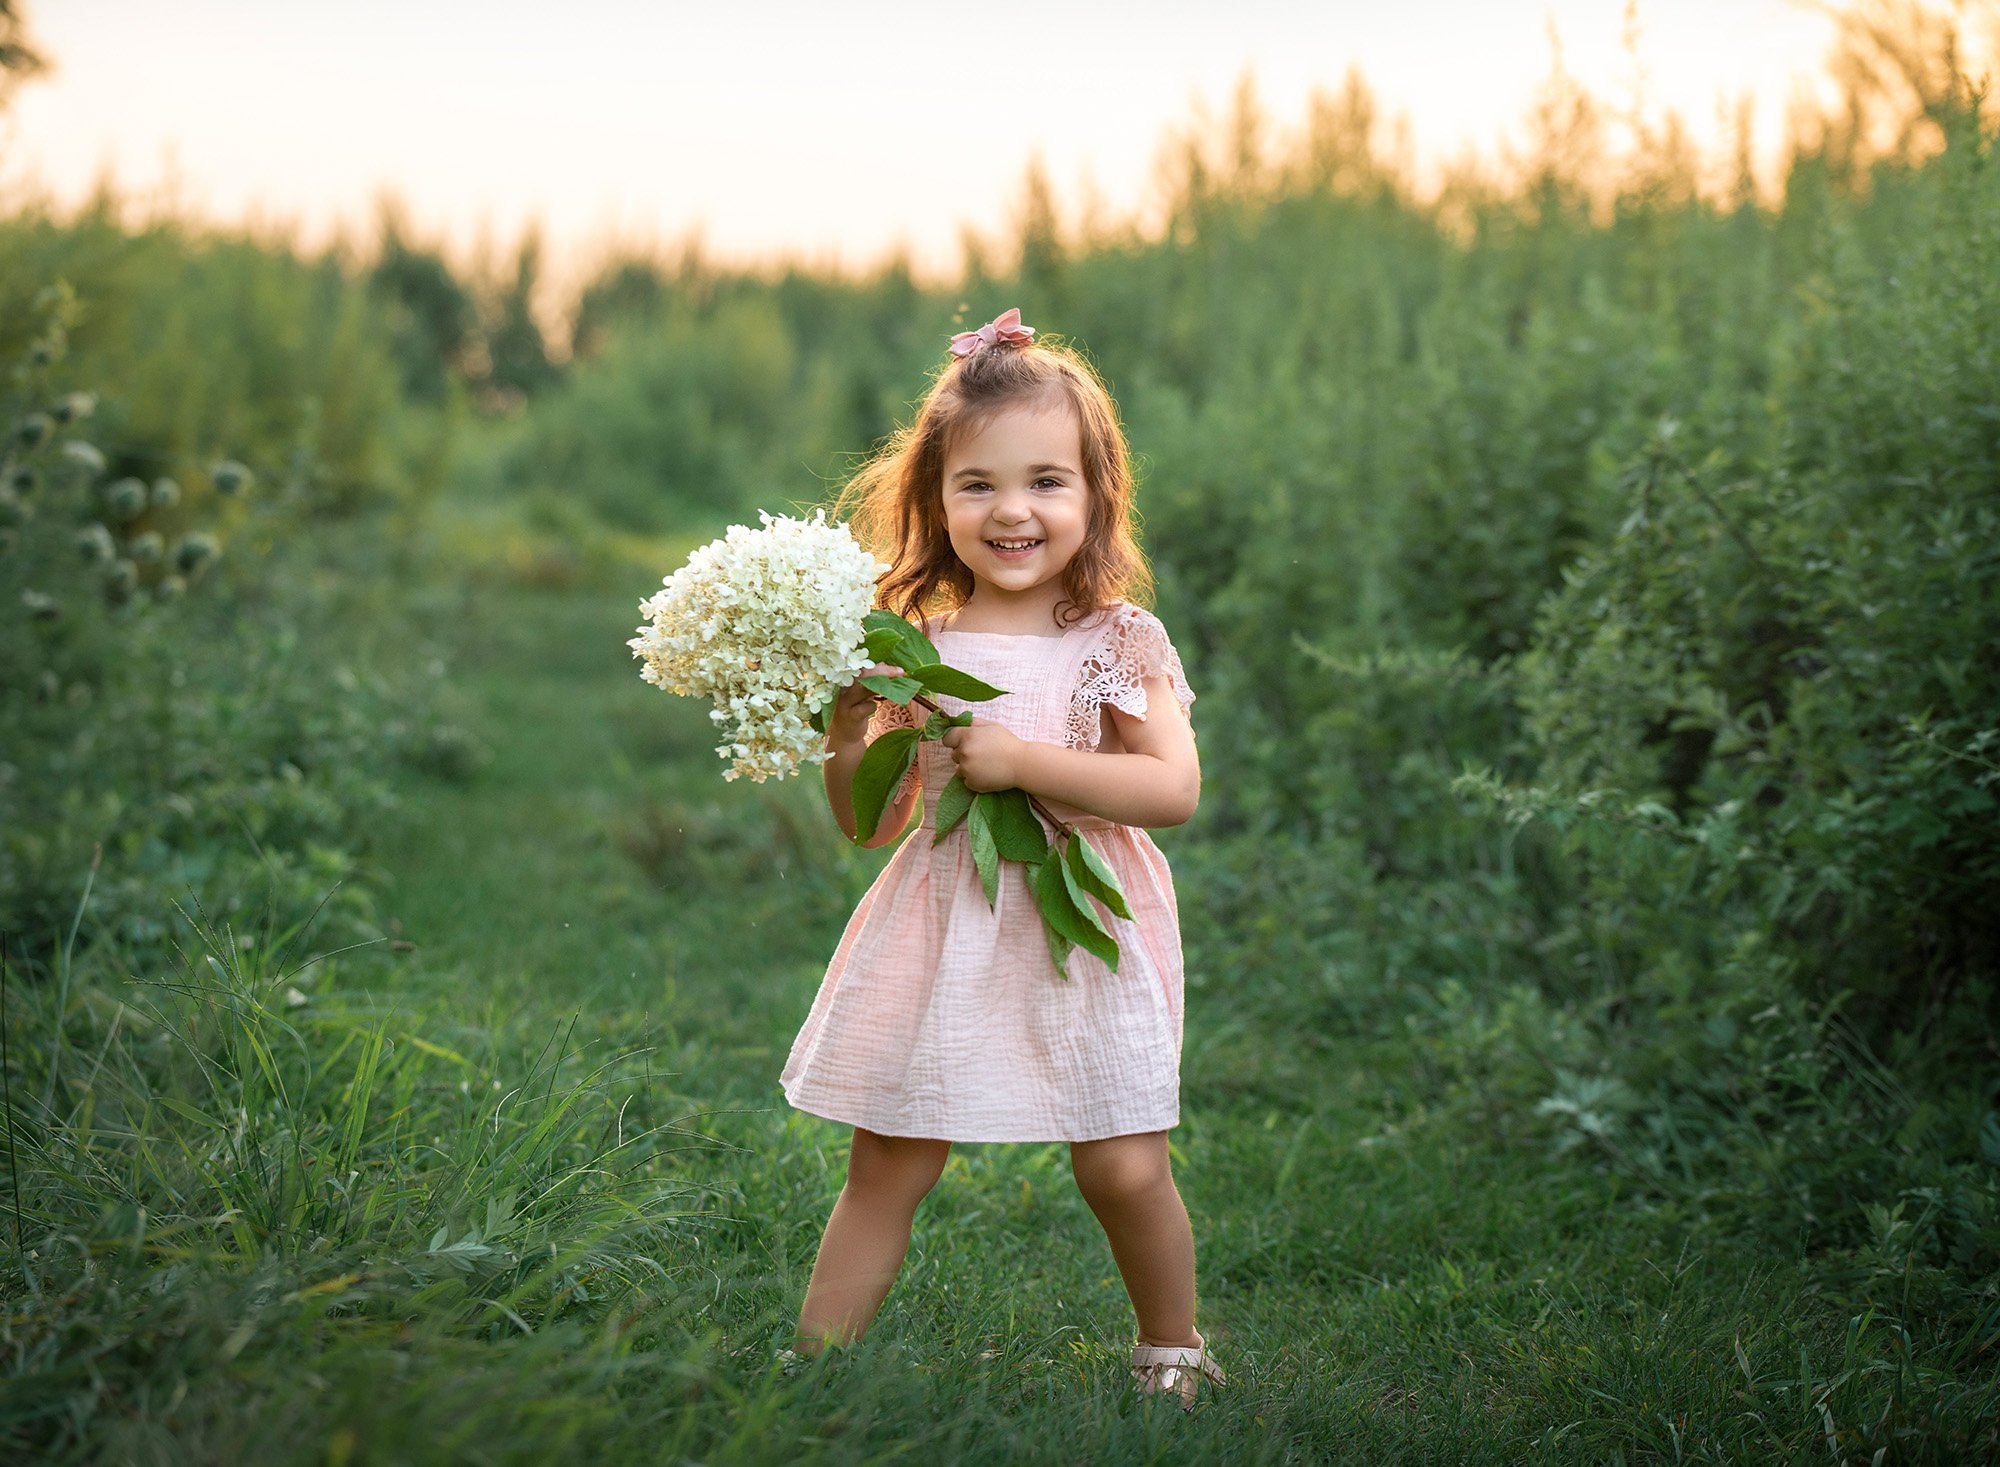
x=789, y=598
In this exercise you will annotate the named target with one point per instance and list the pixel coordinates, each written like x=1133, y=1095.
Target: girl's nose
x=1011, y=506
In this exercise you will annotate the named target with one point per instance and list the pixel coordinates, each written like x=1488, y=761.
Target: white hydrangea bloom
x=768, y=624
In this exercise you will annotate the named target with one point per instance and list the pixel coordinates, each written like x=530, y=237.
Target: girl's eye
x=1057, y=482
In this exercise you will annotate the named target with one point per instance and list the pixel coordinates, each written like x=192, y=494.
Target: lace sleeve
x=1134, y=646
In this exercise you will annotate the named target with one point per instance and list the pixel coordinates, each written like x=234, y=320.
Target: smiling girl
x=1005, y=513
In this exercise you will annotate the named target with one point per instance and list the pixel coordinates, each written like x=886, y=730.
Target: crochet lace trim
x=1135, y=647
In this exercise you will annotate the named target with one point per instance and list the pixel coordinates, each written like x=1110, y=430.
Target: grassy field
x=1381, y=1284
x=519, y=1184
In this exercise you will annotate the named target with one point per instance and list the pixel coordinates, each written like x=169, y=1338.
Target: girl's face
x=1016, y=504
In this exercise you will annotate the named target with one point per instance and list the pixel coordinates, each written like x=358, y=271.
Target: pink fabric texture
x=941, y=1017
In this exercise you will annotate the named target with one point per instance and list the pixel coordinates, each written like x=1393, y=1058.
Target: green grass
x=529, y=1190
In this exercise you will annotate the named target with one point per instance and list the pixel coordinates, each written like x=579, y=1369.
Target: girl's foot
x=1175, y=1369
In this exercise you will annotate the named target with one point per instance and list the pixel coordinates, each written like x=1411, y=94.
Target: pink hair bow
x=1004, y=327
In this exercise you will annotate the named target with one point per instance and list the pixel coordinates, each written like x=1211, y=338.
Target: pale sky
x=826, y=132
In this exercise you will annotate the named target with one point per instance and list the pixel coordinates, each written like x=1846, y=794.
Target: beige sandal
x=1177, y=1368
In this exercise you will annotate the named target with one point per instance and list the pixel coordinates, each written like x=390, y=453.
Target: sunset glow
x=832, y=134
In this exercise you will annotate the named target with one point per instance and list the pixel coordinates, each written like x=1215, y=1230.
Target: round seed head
x=126, y=499
x=41, y=605
x=146, y=548
x=196, y=552
x=42, y=354
x=94, y=544
x=74, y=407
x=121, y=578
x=230, y=477
x=169, y=588
x=33, y=429
x=166, y=494
x=23, y=480
x=48, y=687
x=88, y=455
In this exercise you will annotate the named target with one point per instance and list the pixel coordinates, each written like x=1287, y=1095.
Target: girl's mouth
x=1014, y=549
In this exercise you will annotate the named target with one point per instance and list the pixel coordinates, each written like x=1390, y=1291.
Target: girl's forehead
x=1046, y=419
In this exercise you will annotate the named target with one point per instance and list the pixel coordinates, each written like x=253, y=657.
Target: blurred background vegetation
x=1590, y=576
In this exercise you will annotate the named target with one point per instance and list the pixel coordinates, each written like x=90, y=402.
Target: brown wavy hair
x=895, y=501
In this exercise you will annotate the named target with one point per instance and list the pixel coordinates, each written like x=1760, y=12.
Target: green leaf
x=935, y=725
x=950, y=806
x=1080, y=898
x=1016, y=832
x=941, y=679
x=822, y=713
x=1060, y=947
x=891, y=639
x=881, y=641
x=1095, y=876
x=984, y=854
x=1059, y=910
x=882, y=769
x=898, y=690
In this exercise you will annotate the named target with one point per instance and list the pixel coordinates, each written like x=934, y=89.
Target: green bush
x=1791, y=652
x=295, y=372
x=169, y=721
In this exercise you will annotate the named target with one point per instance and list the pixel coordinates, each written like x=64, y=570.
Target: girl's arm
x=847, y=737
x=1156, y=783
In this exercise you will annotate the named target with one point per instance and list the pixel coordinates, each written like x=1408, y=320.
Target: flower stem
x=1063, y=827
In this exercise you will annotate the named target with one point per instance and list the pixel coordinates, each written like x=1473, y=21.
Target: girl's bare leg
x=867, y=1235
x=1129, y=1183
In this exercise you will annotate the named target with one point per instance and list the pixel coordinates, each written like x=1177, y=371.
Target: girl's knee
x=908, y=1166
x=1121, y=1166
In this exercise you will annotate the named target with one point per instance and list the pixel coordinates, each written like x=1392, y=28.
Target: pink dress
x=942, y=1017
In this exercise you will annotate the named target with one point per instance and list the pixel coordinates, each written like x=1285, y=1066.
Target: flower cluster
x=768, y=624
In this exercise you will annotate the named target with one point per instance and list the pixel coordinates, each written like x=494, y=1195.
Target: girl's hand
x=985, y=753
x=854, y=705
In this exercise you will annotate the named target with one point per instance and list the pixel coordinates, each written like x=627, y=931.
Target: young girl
x=1005, y=509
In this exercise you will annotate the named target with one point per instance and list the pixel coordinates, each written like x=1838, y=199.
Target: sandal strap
x=1196, y=1356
